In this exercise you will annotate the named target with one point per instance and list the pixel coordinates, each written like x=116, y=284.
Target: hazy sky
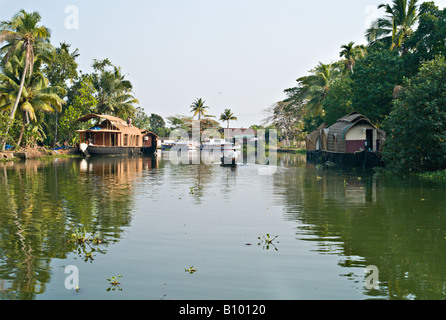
x=236, y=54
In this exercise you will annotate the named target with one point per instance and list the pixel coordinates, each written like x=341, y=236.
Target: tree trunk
x=55, y=134
x=21, y=136
x=25, y=122
x=16, y=104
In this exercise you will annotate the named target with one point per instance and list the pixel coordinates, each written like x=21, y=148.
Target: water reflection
x=396, y=224
x=358, y=217
x=42, y=203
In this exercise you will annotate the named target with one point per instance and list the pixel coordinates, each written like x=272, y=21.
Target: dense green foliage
x=417, y=123
x=373, y=83
x=397, y=81
x=43, y=92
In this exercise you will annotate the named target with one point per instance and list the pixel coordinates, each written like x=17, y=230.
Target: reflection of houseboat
x=352, y=140
x=114, y=136
x=229, y=157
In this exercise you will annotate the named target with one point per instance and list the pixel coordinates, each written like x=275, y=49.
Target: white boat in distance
x=215, y=144
x=185, y=145
x=167, y=145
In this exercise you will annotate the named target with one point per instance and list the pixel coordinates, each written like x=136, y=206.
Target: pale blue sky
x=237, y=54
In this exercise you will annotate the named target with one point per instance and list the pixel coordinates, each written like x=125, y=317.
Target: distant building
x=239, y=135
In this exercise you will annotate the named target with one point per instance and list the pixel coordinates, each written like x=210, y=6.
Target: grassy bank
x=40, y=153
x=437, y=175
x=292, y=150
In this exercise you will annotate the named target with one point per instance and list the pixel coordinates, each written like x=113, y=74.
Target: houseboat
x=352, y=140
x=150, y=142
x=114, y=136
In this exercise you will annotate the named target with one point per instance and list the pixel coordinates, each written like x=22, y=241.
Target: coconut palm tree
x=36, y=94
x=23, y=34
x=315, y=87
x=227, y=116
x=198, y=108
x=114, y=94
x=397, y=25
x=351, y=53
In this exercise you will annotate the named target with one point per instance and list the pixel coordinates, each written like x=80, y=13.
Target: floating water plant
x=267, y=241
x=191, y=270
x=83, y=240
x=81, y=236
x=114, y=283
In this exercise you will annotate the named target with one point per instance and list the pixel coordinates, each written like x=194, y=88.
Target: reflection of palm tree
x=397, y=25
x=24, y=35
x=44, y=205
x=227, y=116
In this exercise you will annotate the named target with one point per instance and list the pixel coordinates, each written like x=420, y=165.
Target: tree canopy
x=392, y=80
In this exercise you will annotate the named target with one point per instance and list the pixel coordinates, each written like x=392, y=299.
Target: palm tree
x=351, y=53
x=315, y=87
x=62, y=68
x=227, y=116
x=114, y=94
x=23, y=34
x=397, y=25
x=198, y=108
x=36, y=95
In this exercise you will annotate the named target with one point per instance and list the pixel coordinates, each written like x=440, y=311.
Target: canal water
x=205, y=231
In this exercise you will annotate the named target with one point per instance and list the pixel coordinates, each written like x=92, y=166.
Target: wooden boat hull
x=95, y=150
x=149, y=150
x=357, y=159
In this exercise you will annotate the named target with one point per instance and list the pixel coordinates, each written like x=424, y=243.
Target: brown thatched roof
x=148, y=132
x=311, y=139
x=337, y=132
x=116, y=123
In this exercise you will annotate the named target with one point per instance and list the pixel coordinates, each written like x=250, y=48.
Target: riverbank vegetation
x=397, y=80
x=43, y=91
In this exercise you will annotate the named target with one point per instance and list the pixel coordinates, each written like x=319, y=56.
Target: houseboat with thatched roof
x=114, y=136
x=352, y=140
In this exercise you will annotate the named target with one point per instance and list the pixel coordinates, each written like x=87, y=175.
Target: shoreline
x=41, y=153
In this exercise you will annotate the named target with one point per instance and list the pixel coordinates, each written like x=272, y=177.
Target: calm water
x=158, y=219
